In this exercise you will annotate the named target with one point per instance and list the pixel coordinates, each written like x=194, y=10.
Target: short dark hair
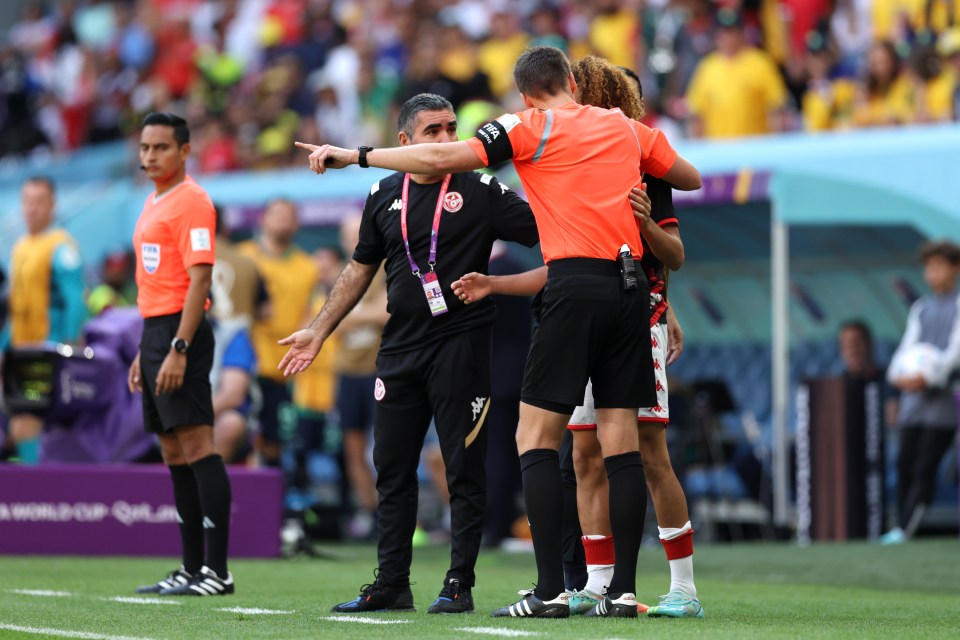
x=44, y=180
x=418, y=103
x=945, y=249
x=181, y=132
x=542, y=71
x=860, y=327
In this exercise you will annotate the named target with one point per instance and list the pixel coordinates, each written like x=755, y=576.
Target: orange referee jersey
x=174, y=232
x=577, y=164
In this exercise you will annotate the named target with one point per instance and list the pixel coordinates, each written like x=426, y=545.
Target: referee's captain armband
x=495, y=139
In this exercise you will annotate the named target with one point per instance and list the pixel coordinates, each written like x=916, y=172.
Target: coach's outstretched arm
x=306, y=343
x=432, y=158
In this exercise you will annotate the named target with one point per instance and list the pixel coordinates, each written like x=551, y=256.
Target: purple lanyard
x=436, y=224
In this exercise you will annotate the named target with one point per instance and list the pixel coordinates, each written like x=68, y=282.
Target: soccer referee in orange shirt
x=174, y=245
x=578, y=173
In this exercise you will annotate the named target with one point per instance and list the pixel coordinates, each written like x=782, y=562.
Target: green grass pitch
x=748, y=591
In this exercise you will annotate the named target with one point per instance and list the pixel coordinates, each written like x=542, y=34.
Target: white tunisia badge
x=453, y=202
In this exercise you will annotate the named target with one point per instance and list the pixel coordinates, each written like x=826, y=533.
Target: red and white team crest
x=379, y=390
x=453, y=202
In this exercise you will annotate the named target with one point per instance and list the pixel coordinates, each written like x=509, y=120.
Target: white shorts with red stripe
x=585, y=416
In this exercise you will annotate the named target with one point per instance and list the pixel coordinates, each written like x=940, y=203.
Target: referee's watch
x=362, y=158
x=179, y=345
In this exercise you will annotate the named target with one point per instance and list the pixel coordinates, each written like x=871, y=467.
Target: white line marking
x=255, y=612
x=131, y=600
x=506, y=633
x=42, y=593
x=362, y=620
x=60, y=633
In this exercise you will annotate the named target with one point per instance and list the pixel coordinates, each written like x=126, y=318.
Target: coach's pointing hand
x=328, y=157
x=304, y=347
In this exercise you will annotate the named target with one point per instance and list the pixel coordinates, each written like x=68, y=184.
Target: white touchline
x=131, y=600
x=255, y=612
x=61, y=633
x=362, y=620
x=493, y=631
x=42, y=593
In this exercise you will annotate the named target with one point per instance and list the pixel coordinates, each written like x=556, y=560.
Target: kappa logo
x=654, y=343
x=397, y=205
x=656, y=365
x=477, y=406
x=207, y=523
x=379, y=390
x=453, y=202
x=659, y=386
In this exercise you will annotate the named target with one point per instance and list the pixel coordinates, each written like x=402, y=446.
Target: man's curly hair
x=602, y=84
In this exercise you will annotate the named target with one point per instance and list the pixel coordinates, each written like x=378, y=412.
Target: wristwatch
x=179, y=345
x=362, y=159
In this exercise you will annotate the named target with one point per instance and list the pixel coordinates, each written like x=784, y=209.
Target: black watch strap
x=362, y=158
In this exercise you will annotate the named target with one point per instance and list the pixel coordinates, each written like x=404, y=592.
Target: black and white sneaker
x=176, y=578
x=203, y=583
x=378, y=597
x=530, y=606
x=453, y=598
x=623, y=607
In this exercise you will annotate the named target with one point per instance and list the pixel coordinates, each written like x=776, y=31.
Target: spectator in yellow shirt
x=501, y=50
x=737, y=90
x=827, y=103
x=888, y=97
x=614, y=33
x=943, y=92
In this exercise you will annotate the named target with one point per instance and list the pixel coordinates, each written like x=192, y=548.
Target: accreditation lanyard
x=431, y=286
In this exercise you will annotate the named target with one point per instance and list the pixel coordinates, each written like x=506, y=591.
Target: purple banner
x=738, y=188
x=124, y=510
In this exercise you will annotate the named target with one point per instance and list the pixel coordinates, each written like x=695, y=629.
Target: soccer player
x=46, y=294
x=578, y=173
x=174, y=245
x=434, y=357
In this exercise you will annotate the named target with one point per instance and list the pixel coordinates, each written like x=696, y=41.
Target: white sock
x=598, y=578
x=598, y=575
x=681, y=569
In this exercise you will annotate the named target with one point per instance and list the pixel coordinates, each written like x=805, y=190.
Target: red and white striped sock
x=600, y=560
x=678, y=544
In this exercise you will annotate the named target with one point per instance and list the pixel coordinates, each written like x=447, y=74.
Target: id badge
x=431, y=288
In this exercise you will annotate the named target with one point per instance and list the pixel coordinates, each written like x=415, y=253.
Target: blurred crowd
x=253, y=75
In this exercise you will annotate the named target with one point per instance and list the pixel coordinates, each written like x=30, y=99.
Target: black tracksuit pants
x=449, y=380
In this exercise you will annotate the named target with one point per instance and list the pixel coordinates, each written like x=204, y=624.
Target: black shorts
x=590, y=328
x=275, y=395
x=355, y=402
x=192, y=403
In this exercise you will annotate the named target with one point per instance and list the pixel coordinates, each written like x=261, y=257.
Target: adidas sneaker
x=623, y=607
x=176, y=578
x=203, y=583
x=530, y=606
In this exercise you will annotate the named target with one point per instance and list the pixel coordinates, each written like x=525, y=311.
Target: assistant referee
x=174, y=246
x=578, y=174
